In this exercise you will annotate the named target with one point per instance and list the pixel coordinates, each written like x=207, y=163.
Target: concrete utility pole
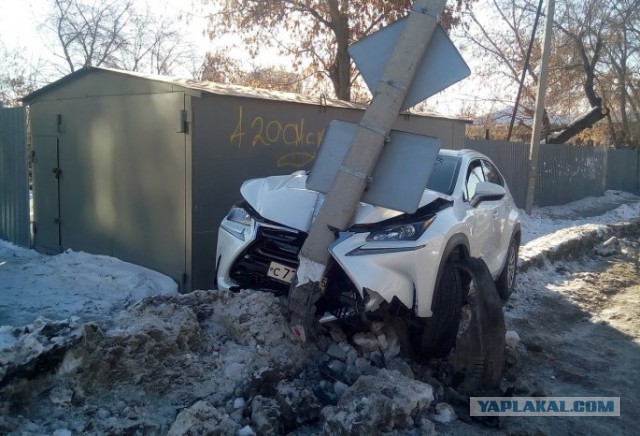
x=524, y=70
x=537, y=117
x=340, y=203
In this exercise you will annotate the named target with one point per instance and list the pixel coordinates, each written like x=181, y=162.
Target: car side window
x=474, y=176
x=491, y=174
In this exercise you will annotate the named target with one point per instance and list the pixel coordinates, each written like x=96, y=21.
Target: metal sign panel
x=441, y=67
x=400, y=176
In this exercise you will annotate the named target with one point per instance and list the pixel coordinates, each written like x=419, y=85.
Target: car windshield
x=445, y=171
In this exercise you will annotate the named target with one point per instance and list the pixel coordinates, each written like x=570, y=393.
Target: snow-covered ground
x=613, y=207
x=91, y=287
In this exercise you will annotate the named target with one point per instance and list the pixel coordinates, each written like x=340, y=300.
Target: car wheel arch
x=435, y=335
x=517, y=232
x=457, y=248
x=505, y=283
x=517, y=235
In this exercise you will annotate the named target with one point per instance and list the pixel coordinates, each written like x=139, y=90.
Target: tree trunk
x=340, y=69
x=597, y=111
x=578, y=125
x=613, y=136
x=340, y=74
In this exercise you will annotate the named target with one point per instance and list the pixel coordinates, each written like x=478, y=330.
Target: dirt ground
x=579, y=325
x=582, y=335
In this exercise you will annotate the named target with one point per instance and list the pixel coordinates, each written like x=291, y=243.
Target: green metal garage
x=143, y=167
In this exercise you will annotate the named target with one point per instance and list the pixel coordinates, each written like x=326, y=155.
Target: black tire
x=436, y=336
x=506, y=282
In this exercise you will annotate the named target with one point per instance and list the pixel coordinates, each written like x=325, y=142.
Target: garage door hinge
x=184, y=121
x=59, y=123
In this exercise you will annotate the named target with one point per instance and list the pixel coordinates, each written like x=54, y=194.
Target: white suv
x=386, y=258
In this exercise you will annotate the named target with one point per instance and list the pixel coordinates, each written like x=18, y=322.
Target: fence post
x=637, y=169
x=605, y=170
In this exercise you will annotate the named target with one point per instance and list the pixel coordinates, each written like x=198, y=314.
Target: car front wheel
x=507, y=280
x=436, y=336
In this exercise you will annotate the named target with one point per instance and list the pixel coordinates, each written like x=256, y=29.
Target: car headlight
x=237, y=221
x=239, y=215
x=401, y=232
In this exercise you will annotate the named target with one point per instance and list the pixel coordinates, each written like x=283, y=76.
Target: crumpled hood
x=287, y=201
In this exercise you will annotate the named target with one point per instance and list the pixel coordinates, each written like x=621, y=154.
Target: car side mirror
x=487, y=191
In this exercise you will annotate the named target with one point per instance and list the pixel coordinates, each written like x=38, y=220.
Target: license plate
x=281, y=272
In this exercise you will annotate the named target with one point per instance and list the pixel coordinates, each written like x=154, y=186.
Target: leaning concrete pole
x=351, y=180
x=539, y=113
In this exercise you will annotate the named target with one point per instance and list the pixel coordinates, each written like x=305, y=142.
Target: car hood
x=286, y=200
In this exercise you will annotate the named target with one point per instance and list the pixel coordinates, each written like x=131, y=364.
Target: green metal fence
x=14, y=188
x=566, y=173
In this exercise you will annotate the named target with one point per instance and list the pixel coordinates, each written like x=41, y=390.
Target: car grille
x=272, y=244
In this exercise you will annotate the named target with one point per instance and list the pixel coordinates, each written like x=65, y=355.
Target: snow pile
x=217, y=363
x=378, y=403
x=613, y=207
x=574, y=227
x=203, y=418
x=70, y=284
x=154, y=360
x=27, y=349
x=571, y=238
x=7, y=249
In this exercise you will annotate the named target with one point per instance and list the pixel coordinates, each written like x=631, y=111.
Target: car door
x=479, y=220
x=500, y=213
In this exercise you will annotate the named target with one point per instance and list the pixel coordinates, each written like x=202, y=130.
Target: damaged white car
x=387, y=259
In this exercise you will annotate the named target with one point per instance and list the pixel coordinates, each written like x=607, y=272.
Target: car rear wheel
x=436, y=336
x=507, y=280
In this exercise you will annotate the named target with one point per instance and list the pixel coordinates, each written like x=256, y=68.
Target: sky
x=21, y=27
x=18, y=22
x=21, y=24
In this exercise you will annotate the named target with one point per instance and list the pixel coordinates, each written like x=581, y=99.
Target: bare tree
x=90, y=34
x=500, y=35
x=18, y=77
x=622, y=57
x=585, y=26
x=154, y=45
x=115, y=34
x=217, y=67
x=595, y=48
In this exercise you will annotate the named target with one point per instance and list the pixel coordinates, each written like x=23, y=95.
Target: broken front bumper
x=379, y=271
